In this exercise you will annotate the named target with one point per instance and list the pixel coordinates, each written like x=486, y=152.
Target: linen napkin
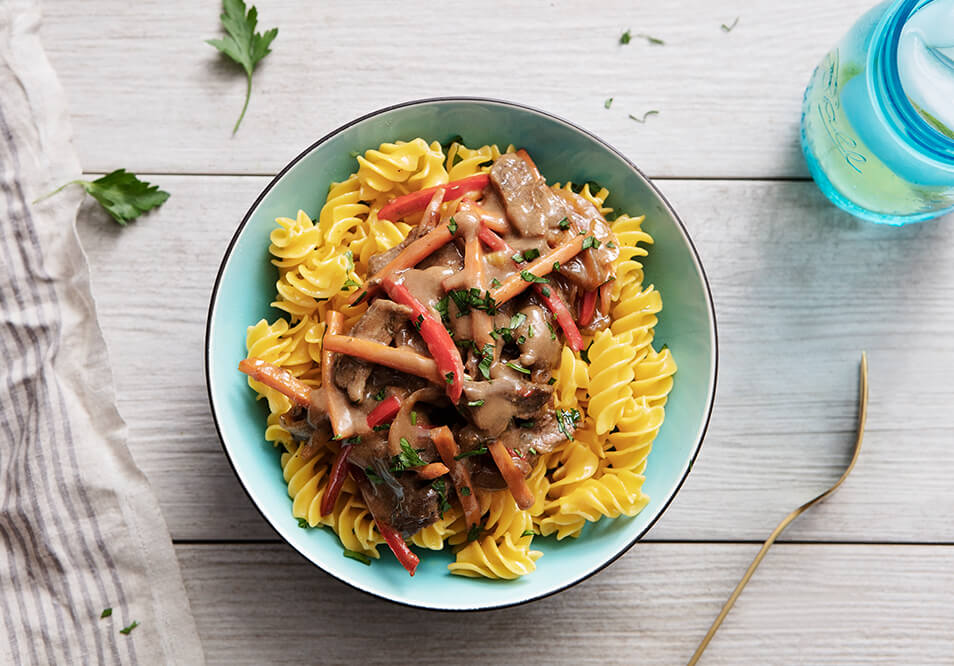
x=80, y=529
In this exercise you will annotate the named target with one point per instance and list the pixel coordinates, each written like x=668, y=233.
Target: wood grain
x=808, y=604
x=800, y=290
x=148, y=94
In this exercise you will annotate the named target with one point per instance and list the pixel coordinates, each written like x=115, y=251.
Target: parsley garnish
x=545, y=291
x=521, y=339
x=552, y=332
x=495, y=282
x=351, y=441
x=350, y=283
x=566, y=421
x=531, y=254
x=106, y=612
x=651, y=39
x=728, y=28
x=528, y=533
x=355, y=555
x=551, y=381
x=121, y=193
x=379, y=396
x=440, y=487
x=449, y=377
x=441, y=307
x=523, y=423
x=564, y=223
x=530, y=277
x=530, y=330
x=611, y=245
x=242, y=44
x=372, y=476
x=585, y=353
x=476, y=452
x=517, y=367
x=452, y=226
x=302, y=523
x=126, y=630
x=407, y=458
x=517, y=320
x=465, y=491
x=608, y=103
x=486, y=358
x=654, y=112
x=467, y=299
x=360, y=298
x=382, y=426
x=556, y=265
x=413, y=418
x=590, y=242
x=419, y=321
x=475, y=403
x=473, y=533
x=626, y=37
x=532, y=451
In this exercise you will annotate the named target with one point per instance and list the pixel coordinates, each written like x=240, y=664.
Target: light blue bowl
x=246, y=285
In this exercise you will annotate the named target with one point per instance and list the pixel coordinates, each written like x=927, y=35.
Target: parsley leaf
x=626, y=37
x=552, y=332
x=350, y=283
x=530, y=277
x=372, y=476
x=126, y=630
x=242, y=44
x=465, y=491
x=486, y=359
x=355, y=555
x=728, y=28
x=517, y=367
x=382, y=426
x=517, y=320
x=475, y=452
x=585, y=353
x=441, y=307
x=106, y=612
x=407, y=458
x=475, y=403
x=495, y=282
x=590, y=242
x=654, y=112
x=545, y=291
x=652, y=40
x=452, y=226
x=413, y=418
x=567, y=420
x=608, y=103
x=528, y=533
x=473, y=533
x=121, y=193
x=564, y=223
x=440, y=487
x=379, y=396
x=303, y=523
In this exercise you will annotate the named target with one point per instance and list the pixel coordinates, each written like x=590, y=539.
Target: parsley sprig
x=242, y=44
x=121, y=193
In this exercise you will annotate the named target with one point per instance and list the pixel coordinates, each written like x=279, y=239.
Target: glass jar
x=871, y=148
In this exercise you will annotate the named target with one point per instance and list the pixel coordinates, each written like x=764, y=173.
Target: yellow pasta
x=615, y=393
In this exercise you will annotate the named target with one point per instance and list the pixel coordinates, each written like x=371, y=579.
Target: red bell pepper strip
x=339, y=470
x=385, y=411
x=395, y=542
x=416, y=201
x=559, y=309
x=436, y=337
x=588, y=308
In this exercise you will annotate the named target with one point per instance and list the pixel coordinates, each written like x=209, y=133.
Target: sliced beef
x=539, y=351
x=531, y=206
x=380, y=323
x=492, y=405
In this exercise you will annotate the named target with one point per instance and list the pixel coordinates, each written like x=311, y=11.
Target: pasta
x=609, y=392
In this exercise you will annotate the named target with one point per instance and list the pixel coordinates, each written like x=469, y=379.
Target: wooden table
x=800, y=289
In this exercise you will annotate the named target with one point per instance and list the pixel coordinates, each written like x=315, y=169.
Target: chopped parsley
x=652, y=40
x=449, y=377
x=517, y=320
x=475, y=452
x=654, y=112
x=495, y=282
x=372, y=476
x=585, y=353
x=106, y=612
x=351, y=441
x=127, y=630
x=728, y=28
x=440, y=487
x=419, y=322
x=486, y=358
x=551, y=381
x=441, y=307
x=564, y=223
x=528, y=533
x=566, y=421
x=626, y=37
x=473, y=533
x=522, y=339
x=523, y=423
x=452, y=226
x=545, y=291
x=350, y=283
x=590, y=242
x=408, y=457
x=532, y=451
x=465, y=491
x=303, y=523
x=556, y=265
x=608, y=103
x=611, y=245
x=517, y=367
x=526, y=255
x=468, y=299
x=552, y=332
x=475, y=403
x=379, y=396
x=355, y=555
x=413, y=418
x=382, y=426
x=530, y=330
x=530, y=277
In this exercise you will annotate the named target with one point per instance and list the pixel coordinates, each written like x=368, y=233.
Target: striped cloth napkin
x=80, y=529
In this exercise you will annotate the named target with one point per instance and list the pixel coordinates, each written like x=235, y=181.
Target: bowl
x=245, y=285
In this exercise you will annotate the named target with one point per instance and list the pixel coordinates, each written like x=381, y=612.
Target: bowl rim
x=682, y=230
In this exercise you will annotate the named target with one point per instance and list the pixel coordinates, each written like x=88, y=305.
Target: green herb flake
x=626, y=37
x=303, y=523
x=728, y=28
x=611, y=245
x=528, y=533
x=373, y=477
x=441, y=307
x=452, y=226
x=475, y=452
x=551, y=381
x=518, y=258
x=608, y=103
x=530, y=330
x=556, y=266
x=440, y=487
x=517, y=367
x=654, y=112
x=413, y=418
x=591, y=242
x=350, y=283
x=379, y=396
x=495, y=282
x=566, y=421
x=530, y=277
x=473, y=533
x=407, y=458
x=532, y=451
x=531, y=254
x=545, y=291
x=517, y=320
x=652, y=40
x=106, y=613
x=585, y=353
x=449, y=377
x=475, y=403
x=242, y=44
x=552, y=332
x=121, y=194
x=486, y=359
x=127, y=630
x=564, y=223
x=355, y=555
x=382, y=427
x=465, y=491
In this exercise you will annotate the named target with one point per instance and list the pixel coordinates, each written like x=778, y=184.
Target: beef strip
x=531, y=206
x=380, y=323
x=504, y=398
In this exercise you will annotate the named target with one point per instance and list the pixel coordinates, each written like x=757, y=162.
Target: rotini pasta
x=609, y=387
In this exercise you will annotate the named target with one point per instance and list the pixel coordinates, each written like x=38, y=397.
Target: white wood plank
x=800, y=290
x=814, y=604
x=146, y=93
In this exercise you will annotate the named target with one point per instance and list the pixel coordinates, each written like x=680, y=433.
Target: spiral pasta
x=615, y=392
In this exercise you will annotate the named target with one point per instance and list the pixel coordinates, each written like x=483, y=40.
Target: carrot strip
x=338, y=412
x=395, y=541
x=487, y=218
x=431, y=471
x=415, y=201
x=443, y=439
x=543, y=265
x=409, y=257
x=339, y=470
x=559, y=309
x=525, y=156
x=438, y=340
x=401, y=360
x=587, y=308
x=512, y=475
x=277, y=378
x=385, y=411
